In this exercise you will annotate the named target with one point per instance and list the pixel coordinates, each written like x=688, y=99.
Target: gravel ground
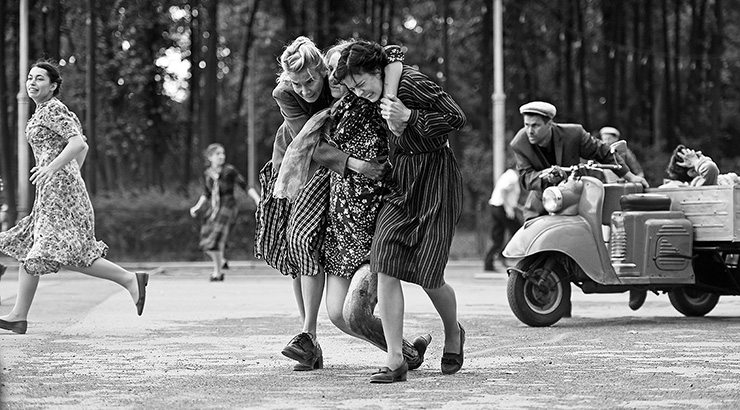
x=204, y=345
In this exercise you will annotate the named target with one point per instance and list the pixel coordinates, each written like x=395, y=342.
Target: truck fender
x=570, y=235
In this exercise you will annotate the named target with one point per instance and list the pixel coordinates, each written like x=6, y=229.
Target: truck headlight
x=552, y=199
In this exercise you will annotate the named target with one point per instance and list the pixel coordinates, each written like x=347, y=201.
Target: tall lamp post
x=24, y=199
x=499, y=98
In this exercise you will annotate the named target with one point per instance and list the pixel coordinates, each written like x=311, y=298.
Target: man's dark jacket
x=572, y=144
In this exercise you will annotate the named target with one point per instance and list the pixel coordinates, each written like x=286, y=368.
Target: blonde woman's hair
x=299, y=55
x=210, y=150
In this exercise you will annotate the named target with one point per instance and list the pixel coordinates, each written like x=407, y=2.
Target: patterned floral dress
x=60, y=230
x=354, y=199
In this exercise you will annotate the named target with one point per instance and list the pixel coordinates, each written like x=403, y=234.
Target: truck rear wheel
x=692, y=302
x=538, y=296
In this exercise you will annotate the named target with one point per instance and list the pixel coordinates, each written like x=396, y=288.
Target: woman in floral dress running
x=60, y=230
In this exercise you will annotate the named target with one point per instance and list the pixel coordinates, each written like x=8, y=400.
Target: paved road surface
x=204, y=345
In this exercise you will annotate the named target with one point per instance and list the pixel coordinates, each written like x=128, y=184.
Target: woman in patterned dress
x=354, y=203
x=60, y=230
x=416, y=224
x=220, y=216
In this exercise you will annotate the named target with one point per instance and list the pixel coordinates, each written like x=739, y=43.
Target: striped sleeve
x=433, y=112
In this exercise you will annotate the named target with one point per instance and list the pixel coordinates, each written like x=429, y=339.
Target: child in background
x=220, y=216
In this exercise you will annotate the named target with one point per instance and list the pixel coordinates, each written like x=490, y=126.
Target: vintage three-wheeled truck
x=613, y=238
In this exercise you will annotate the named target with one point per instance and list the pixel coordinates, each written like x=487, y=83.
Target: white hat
x=542, y=108
x=609, y=130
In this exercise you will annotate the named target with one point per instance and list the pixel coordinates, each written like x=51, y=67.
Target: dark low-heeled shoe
x=314, y=362
x=452, y=362
x=386, y=375
x=301, y=348
x=420, y=344
x=19, y=326
x=142, y=279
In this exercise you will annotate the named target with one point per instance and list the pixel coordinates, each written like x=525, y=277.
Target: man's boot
x=637, y=298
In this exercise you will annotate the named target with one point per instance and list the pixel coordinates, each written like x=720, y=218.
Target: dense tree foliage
x=174, y=75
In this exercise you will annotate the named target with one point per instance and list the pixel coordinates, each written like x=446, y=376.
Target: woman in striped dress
x=354, y=203
x=416, y=224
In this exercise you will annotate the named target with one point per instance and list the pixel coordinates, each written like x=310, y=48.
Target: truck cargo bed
x=712, y=210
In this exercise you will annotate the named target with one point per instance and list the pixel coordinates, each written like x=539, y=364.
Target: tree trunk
x=246, y=47
x=92, y=162
x=611, y=19
x=623, y=64
x=568, y=79
x=696, y=50
x=191, y=136
x=446, y=82
x=445, y=66
x=322, y=21
x=716, y=49
x=6, y=138
x=288, y=14
x=486, y=74
x=208, y=107
x=391, y=25
x=667, y=93
x=53, y=30
x=649, y=66
x=677, y=101
x=582, y=80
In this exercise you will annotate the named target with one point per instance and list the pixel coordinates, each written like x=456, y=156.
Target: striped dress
x=417, y=222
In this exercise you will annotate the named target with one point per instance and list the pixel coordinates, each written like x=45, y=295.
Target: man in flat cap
x=542, y=144
x=611, y=136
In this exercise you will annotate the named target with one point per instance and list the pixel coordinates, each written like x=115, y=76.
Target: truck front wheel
x=538, y=296
x=692, y=302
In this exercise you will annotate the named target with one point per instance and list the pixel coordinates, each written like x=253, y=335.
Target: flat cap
x=540, y=108
x=609, y=130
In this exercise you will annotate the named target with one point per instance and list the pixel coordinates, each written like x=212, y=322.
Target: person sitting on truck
x=691, y=168
x=688, y=167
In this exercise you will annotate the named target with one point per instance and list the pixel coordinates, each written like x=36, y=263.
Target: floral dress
x=60, y=230
x=354, y=199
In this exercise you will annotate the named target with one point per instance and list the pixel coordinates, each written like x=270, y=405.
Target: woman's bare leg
x=105, y=269
x=359, y=315
x=218, y=259
x=336, y=293
x=312, y=288
x=445, y=302
x=298, y=294
x=27, y=286
x=391, y=303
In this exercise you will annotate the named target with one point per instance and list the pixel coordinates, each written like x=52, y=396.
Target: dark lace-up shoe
x=301, y=348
